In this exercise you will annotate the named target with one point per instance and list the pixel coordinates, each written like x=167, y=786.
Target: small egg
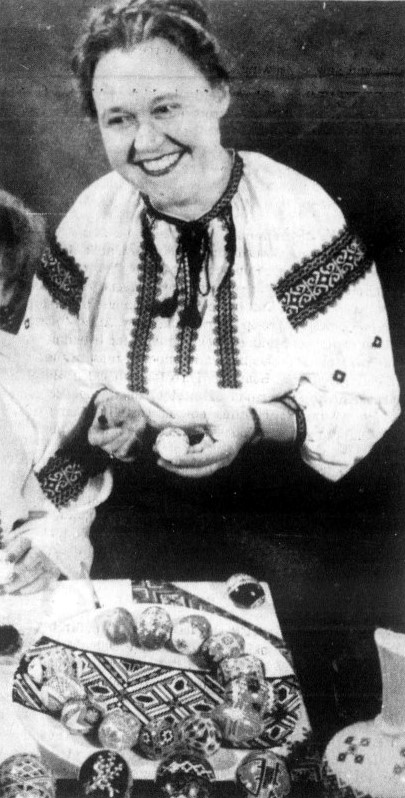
x=245, y=591
x=119, y=626
x=154, y=628
x=172, y=443
x=189, y=634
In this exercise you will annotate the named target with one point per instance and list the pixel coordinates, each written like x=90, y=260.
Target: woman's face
x=159, y=120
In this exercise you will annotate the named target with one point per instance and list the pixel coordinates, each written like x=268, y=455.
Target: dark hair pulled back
x=125, y=23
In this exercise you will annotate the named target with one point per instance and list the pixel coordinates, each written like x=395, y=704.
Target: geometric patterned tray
x=151, y=689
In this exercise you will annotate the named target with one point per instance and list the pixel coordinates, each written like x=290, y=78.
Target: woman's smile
x=159, y=166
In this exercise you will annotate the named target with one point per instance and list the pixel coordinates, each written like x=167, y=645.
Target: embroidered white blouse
x=40, y=403
x=299, y=312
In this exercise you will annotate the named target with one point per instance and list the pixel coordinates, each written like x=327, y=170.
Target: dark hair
x=22, y=238
x=125, y=23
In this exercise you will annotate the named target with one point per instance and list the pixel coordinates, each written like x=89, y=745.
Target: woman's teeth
x=158, y=165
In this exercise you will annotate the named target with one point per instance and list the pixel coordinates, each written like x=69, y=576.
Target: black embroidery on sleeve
x=312, y=286
x=339, y=376
x=62, y=479
x=62, y=276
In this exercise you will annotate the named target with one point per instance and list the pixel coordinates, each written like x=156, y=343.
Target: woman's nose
x=147, y=137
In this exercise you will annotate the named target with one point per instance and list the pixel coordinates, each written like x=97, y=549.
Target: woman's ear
x=222, y=97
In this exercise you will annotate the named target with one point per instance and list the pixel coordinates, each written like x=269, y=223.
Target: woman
x=221, y=285
x=49, y=485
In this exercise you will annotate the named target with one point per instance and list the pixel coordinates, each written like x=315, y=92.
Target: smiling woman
x=208, y=289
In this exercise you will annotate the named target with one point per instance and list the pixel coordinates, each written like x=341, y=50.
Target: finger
x=102, y=438
x=191, y=473
x=42, y=582
x=17, y=549
x=24, y=578
x=209, y=456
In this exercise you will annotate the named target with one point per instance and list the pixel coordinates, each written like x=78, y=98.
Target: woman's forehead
x=152, y=67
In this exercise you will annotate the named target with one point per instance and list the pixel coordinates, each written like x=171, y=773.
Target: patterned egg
x=189, y=634
x=249, y=691
x=221, y=645
x=119, y=730
x=201, y=734
x=264, y=775
x=25, y=775
x=172, y=443
x=119, y=626
x=154, y=628
x=105, y=774
x=60, y=661
x=36, y=670
x=79, y=716
x=245, y=591
x=185, y=775
x=245, y=665
x=238, y=724
x=158, y=739
x=59, y=689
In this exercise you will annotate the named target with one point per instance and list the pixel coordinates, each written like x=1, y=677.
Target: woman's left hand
x=33, y=570
x=227, y=430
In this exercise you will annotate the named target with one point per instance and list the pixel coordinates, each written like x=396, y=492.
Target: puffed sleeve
x=49, y=480
x=348, y=390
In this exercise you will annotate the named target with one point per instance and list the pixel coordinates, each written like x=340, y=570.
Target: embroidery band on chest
x=192, y=281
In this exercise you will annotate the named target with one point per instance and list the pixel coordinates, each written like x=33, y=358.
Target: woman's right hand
x=118, y=425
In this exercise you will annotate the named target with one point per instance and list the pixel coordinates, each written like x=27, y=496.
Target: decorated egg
x=185, y=775
x=154, y=628
x=172, y=443
x=36, y=670
x=189, y=634
x=158, y=739
x=245, y=665
x=105, y=774
x=59, y=689
x=10, y=639
x=119, y=626
x=25, y=775
x=6, y=569
x=221, y=645
x=264, y=775
x=60, y=661
x=249, y=691
x=119, y=730
x=245, y=591
x=201, y=734
x=79, y=716
x=238, y=724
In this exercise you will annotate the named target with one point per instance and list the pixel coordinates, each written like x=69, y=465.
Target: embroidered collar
x=216, y=210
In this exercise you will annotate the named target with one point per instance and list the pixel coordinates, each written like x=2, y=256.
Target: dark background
x=320, y=87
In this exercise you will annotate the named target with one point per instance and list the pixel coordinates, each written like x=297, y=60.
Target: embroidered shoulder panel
x=62, y=277
x=62, y=479
x=318, y=282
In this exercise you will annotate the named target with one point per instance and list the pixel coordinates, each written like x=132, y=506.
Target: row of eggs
x=106, y=774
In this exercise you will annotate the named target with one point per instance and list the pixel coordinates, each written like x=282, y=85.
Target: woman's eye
x=118, y=120
x=166, y=109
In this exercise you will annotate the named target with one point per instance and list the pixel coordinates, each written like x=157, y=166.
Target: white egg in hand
x=172, y=443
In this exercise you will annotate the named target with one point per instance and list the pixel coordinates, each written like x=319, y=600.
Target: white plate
x=65, y=753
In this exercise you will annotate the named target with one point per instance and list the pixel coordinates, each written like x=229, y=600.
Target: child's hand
x=33, y=570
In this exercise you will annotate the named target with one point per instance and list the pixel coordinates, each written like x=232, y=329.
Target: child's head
x=22, y=236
